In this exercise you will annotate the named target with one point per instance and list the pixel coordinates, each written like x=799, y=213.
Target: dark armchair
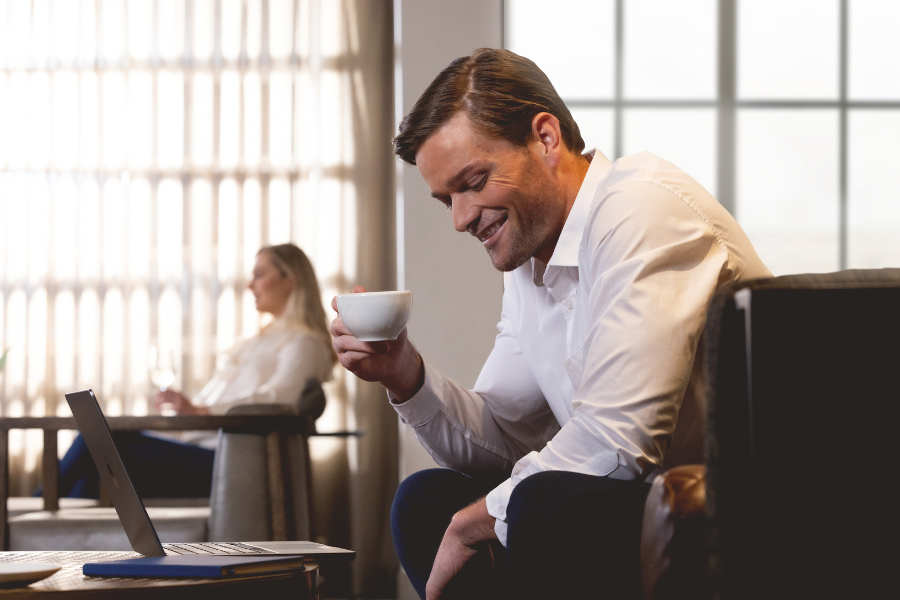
x=795, y=499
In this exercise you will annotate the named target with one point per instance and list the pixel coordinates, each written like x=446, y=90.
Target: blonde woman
x=273, y=366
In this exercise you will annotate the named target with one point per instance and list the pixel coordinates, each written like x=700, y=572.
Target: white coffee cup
x=375, y=316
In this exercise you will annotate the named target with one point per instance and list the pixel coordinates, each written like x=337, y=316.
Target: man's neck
x=570, y=176
x=574, y=171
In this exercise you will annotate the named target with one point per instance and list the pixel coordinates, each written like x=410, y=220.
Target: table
x=68, y=582
x=276, y=427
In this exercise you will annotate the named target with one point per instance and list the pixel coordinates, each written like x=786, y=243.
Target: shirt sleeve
x=303, y=358
x=485, y=429
x=653, y=263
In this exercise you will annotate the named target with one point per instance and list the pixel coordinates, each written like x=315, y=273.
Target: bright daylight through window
x=148, y=148
x=788, y=111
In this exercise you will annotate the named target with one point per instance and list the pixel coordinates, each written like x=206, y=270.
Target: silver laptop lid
x=113, y=475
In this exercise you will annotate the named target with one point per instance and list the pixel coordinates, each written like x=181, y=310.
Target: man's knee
x=560, y=501
x=592, y=523
x=537, y=499
x=415, y=493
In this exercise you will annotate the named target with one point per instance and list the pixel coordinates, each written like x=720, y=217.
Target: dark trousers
x=569, y=535
x=159, y=468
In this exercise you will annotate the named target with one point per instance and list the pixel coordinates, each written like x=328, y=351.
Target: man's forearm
x=468, y=528
x=474, y=523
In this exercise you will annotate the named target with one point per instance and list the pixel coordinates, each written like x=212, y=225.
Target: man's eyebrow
x=454, y=181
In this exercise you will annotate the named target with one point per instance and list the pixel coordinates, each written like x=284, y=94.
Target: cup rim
x=388, y=293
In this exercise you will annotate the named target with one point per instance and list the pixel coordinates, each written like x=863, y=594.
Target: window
x=148, y=148
x=788, y=111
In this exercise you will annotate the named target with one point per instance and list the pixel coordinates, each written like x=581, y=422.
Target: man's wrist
x=409, y=380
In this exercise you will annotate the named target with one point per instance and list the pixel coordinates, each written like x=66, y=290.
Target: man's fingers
x=346, y=344
x=352, y=360
x=360, y=364
x=345, y=340
x=381, y=347
x=338, y=328
x=359, y=290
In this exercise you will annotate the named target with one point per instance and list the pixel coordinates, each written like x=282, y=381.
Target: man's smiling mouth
x=486, y=234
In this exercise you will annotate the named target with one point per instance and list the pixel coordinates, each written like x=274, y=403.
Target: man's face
x=500, y=193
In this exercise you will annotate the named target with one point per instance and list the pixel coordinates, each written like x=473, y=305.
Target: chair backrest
x=804, y=387
x=312, y=400
x=261, y=483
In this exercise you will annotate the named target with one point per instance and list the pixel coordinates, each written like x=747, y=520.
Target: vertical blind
x=148, y=148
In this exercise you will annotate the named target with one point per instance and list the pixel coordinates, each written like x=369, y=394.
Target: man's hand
x=397, y=365
x=468, y=529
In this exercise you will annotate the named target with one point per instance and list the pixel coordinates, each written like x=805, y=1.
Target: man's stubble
x=533, y=223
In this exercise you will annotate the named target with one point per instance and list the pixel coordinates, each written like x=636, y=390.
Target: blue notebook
x=202, y=566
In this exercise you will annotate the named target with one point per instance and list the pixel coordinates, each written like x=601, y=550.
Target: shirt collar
x=566, y=252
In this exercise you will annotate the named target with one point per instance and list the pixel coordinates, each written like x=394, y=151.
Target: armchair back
x=804, y=388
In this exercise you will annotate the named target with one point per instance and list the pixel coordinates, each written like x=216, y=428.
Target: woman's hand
x=397, y=364
x=179, y=403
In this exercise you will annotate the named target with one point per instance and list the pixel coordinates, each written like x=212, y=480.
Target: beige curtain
x=148, y=148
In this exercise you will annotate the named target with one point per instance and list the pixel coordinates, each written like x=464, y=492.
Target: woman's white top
x=273, y=366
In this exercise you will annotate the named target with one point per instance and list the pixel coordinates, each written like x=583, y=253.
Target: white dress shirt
x=271, y=367
x=593, y=365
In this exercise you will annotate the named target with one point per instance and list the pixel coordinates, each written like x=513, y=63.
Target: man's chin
x=506, y=263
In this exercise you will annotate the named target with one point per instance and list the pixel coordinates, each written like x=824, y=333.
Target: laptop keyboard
x=215, y=548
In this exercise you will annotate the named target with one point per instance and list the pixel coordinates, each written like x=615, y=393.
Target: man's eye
x=480, y=184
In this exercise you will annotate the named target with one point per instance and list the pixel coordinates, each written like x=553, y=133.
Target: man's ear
x=546, y=132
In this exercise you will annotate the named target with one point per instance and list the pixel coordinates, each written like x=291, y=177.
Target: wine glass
x=162, y=374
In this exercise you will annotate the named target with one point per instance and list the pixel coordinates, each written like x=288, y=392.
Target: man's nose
x=465, y=214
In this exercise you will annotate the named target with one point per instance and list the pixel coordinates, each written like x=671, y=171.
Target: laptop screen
x=113, y=475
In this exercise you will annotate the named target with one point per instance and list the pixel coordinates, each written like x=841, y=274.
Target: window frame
x=727, y=106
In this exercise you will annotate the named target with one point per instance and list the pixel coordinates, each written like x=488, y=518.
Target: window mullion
x=265, y=69
x=842, y=141
x=725, y=167
x=617, y=91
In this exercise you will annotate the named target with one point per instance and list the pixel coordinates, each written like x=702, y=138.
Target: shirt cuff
x=500, y=530
x=425, y=403
x=497, y=501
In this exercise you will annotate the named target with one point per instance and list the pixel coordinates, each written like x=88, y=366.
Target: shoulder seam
x=693, y=207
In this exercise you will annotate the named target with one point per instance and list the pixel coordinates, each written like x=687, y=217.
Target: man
x=592, y=386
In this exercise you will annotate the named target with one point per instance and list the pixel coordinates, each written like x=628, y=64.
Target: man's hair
x=499, y=91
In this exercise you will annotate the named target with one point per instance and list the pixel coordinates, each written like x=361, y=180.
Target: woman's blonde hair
x=304, y=306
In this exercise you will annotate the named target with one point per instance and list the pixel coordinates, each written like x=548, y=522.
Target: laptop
x=132, y=513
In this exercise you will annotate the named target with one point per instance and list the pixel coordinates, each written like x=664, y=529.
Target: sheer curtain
x=148, y=148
